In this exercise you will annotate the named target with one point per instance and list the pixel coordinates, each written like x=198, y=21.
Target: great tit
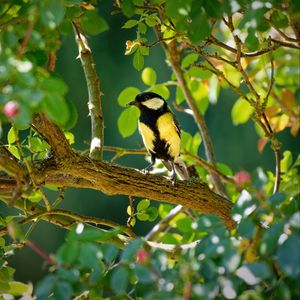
x=160, y=132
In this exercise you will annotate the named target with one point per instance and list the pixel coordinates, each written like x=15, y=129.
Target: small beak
x=132, y=103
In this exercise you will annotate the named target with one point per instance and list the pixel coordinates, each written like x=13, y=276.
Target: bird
x=160, y=132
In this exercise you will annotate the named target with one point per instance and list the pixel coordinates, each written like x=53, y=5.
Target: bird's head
x=148, y=100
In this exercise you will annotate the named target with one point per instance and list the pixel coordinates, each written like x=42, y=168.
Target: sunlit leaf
x=241, y=111
x=127, y=121
x=161, y=90
x=138, y=60
x=149, y=76
x=130, y=24
x=127, y=95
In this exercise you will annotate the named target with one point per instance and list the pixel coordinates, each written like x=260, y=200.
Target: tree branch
x=174, y=57
x=93, y=85
x=81, y=172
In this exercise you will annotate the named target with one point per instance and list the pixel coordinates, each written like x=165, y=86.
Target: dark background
x=235, y=146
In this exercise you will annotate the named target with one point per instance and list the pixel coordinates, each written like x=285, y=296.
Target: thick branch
x=53, y=136
x=93, y=85
x=81, y=172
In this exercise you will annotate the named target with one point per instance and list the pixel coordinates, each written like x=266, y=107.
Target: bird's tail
x=180, y=168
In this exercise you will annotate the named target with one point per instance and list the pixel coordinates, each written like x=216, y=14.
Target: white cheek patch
x=154, y=103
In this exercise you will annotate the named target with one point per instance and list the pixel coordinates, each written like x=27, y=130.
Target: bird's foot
x=147, y=170
x=173, y=179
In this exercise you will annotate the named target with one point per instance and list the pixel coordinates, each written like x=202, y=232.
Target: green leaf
x=252, y=41
x=277, y=198
x=127, y=95
x=70, y=137
x=54, y=83
x=179, y=95
x=52, y=12
x=143, y=274
x=288, y=256
x=213, y=8
x=269, y=243
x=17, y=288
x=189, y=60
x=130, y=24
x=143, y=204
x=225, y=169
x=45, y=287
x=149, y=76
x=144, y=50
x=286, y=162
x=279, y=19
x=73, y=115
x=23, y=119
x=152, y=213
x=93, y=24
x=127, y=8
x=15, y=151
x=68, y=252
x=88, y=255
x=62, y=290
x=232, y=75
x=214, y=89
x=119, y=279
x=178, y=8
x=11, y=136
x=241, y=111
x=142, y=216
x=200, y=27
x=138, y=60
x=185, y=224
x=127, y=121
x=254, y=273
x=152, y=20
x=199, y=73
x=130, y=250
x=161, y=90
x=110, y=252
x=142, y=28
x=57, y=109
x=35, y=144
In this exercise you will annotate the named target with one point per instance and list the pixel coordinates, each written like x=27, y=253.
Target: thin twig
x=131, y=211
x=163, y=223
x=93, y=85
x=209, y=167
x=49, y=215
x=22, y=47
x=47, y=257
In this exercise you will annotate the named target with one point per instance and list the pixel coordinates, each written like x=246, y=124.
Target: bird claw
x=147, y=170
x=173, y=180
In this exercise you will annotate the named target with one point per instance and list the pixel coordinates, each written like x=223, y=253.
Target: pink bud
x=142, y=257
x=11, y=109
x=242, y=178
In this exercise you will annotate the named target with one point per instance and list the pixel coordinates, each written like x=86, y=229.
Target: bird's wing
x=177, y=126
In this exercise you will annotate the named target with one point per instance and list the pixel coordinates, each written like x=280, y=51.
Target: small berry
x=242, y=178
x=142, y=257
x=11, y=109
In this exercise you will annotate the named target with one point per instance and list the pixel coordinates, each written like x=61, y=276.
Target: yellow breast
x=148, y=136
x=168, y=132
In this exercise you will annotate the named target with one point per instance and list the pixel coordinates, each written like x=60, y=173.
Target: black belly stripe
x=161, y=147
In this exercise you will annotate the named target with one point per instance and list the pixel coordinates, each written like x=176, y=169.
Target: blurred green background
x=234, y=146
